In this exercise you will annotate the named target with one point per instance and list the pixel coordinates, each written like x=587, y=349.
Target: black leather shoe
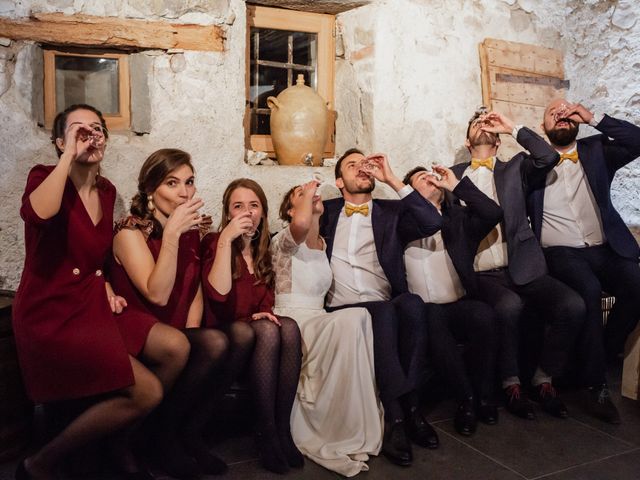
x=598, y=403
x=487, y=413
x=465, y=421
x=547, y=396
x=395, y=444
x=420, y=432
x=517, y=403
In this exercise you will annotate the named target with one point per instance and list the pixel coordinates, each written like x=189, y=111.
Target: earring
x=150, y=206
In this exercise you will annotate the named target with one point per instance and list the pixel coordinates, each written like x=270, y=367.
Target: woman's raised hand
x=184, y=217
x=238, y=225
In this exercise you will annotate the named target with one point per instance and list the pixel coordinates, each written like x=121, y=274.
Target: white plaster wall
x=407, y=79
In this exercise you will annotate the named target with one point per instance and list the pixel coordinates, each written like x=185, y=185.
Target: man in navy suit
x=365, y=246
x=440, y=270
x=510, y=266
x=586, y=243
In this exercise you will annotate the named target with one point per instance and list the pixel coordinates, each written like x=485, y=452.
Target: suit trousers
x=470, y=322
x=399, y=339
x=589, y=271
x=556, y=306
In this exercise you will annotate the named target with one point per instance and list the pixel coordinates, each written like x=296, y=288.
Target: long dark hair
x=262, y=266
x=60, y=123
x=153, y=172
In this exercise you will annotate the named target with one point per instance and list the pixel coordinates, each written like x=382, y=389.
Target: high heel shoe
x=271, y=455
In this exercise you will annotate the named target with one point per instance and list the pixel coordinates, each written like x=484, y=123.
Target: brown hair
x=287, y=205
x=154, y=170
x=60, y=123
x=262, y=266
x=407, y=178
x=338, y=169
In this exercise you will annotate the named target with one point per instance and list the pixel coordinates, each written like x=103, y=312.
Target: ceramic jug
x=298, y=125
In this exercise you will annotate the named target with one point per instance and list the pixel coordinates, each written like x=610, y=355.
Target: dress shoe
x=465, y=421
x=547, y=396
x=599, y=404
x=395, y=444
x=420, y=432
x=517, y=403
x=487, y=413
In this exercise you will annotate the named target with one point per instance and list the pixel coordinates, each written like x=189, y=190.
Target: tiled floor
x=578, y=448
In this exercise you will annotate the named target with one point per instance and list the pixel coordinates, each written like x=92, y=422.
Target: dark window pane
x=272, y=80
x=260, y=123
x=87, y=80
x=304, y=48
x=273, y=45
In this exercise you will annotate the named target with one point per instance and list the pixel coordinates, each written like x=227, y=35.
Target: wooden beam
x=112, y=32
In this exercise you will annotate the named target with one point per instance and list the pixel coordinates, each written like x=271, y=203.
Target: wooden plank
x=524, y=57
x=484, y=75
x=521, y=88
x=527, y=115
x=112, y=32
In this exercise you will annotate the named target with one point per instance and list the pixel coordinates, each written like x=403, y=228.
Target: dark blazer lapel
x=333, y=214
x=378, y=225
x=596, y=172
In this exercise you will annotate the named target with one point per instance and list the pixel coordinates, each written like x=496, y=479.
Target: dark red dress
x=69, y=345
x=136, y=320
x=245, y=297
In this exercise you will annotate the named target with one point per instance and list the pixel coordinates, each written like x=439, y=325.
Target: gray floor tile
x=252, y=471
x=452, y=461
x=620, y=467
x=543, y=446
x=628, y=430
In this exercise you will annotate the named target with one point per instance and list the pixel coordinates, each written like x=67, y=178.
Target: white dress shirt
x=571, y=217
x=492, y=251
x=430, y=271
x=357, y=273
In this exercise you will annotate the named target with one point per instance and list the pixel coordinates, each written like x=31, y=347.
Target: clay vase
x=298, y=125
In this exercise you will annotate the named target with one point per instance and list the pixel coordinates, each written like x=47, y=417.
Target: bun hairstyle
x=260, y=253
x=60, y=123
x=287, y=205
x=153, y=172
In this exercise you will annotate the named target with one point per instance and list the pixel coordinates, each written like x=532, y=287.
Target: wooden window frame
x=114, y=122
x=280, y=19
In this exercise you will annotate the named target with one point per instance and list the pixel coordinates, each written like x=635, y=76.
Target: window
x=98, y=79
x=282, y=44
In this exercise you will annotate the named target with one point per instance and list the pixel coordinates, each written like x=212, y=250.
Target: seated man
x=440, y=270
x=586, y=243
x=510, y=266
x=364, y=246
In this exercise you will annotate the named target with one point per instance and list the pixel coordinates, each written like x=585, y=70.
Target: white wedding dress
x=337, y=420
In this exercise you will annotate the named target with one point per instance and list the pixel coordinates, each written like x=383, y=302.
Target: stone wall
x=407, y=79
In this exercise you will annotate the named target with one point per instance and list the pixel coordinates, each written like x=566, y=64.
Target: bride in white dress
x=337, y=420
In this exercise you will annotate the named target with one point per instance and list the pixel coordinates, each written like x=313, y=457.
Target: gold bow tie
x=482, y=162
x=361, y=209
x=573, y=156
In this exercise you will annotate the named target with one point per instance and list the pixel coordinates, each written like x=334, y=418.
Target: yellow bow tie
x=482, y=162
x=361, y=209
x=573, y=156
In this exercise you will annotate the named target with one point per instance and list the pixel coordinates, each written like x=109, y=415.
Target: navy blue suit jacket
x=395, y=223
x=513, y=180
x=601, y=156
x=464, y=227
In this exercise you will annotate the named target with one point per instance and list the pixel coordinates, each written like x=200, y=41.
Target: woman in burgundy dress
x=238, y=282
x=69, y=345
x=156, y=267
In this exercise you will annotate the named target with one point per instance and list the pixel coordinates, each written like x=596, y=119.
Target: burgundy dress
x=69, y=345
x=136, y=320
x=245, y=297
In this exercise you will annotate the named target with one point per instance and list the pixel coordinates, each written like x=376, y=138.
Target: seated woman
x=336, y=420
x=238, y=284
x=156, y=267
x=69, y=345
